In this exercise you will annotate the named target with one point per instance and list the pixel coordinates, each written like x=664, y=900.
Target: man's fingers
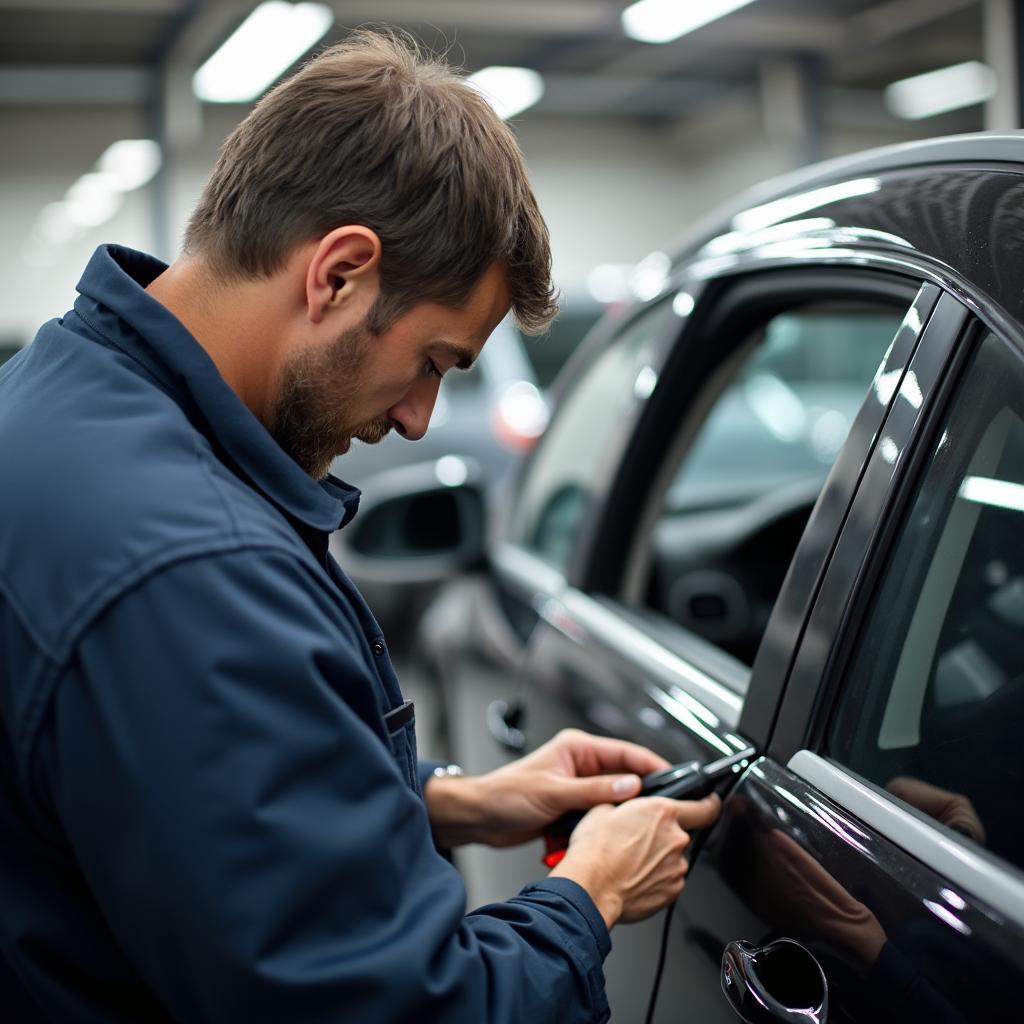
x=698, y=813
x=598, y=789
x=598, y=755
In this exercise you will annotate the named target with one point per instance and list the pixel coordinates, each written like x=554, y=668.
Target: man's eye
x=432, y=369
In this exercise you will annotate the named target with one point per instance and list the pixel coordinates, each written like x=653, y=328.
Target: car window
x=742, y=493
x=933, y=694
x=563, y=476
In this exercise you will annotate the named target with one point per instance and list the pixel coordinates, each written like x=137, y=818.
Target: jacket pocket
x=401, y=723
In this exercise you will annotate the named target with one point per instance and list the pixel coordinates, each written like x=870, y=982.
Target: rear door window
x=743, y=488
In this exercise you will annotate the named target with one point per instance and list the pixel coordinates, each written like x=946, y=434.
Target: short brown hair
x=372, y=131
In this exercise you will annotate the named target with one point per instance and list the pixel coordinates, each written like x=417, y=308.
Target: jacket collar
x=114, y=302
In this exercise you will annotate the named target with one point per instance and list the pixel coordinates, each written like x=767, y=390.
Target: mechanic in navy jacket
x=210, y=805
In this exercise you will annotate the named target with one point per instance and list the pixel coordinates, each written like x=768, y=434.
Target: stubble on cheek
x=309, y=417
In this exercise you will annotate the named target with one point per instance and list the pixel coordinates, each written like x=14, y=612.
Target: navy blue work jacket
x=203, y=813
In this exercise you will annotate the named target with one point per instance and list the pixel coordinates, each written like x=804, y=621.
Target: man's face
x=364, y=385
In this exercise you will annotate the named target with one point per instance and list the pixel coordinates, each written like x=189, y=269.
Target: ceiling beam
x=751, y=32
x=528, y=17
x=898, y=17
x=73, y=86
x=95, y=6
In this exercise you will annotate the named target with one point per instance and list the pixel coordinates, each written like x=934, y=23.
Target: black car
x=780, y=506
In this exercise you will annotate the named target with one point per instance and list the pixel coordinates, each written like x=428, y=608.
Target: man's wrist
x=454, y=805
x=605, y=895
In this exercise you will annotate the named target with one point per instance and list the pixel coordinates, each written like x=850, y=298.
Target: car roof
x=1005, y=147
x=949, y=209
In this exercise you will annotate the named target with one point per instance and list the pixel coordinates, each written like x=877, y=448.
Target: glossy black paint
x=894, y=941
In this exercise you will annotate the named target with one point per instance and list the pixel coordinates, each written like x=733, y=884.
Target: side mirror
x=421, y=524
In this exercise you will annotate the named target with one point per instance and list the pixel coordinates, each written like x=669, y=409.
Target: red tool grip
x=555, y=847
x=553, y=858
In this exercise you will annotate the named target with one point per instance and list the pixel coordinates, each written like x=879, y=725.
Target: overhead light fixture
x=609, y=282
x=54, y=226
x=661, y=21
x=264, y=46
x=936, y=92
x=130, y=162
x=509, y=91
x=93, y=200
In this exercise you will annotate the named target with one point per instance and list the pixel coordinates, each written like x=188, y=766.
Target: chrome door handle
x=778, y=982
x=504, y=719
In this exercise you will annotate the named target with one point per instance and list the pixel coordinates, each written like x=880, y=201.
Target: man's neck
x=237, y=325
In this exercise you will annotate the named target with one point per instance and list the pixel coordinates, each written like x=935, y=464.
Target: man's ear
x=346, y=264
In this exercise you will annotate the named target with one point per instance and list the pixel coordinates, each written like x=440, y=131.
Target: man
x=210, y=806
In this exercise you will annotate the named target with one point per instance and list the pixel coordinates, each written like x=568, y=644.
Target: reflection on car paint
x=777, y=210
x=893, y=943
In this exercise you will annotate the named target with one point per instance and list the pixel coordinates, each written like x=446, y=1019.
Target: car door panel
x=578, y=679
x=895, y=941
x=908, y=921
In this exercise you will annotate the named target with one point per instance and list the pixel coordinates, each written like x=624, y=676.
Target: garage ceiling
x=104, y=51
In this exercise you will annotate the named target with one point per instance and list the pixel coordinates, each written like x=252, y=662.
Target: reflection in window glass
x=787, y=412
x=934, y=695
x=741, y=496
x=563, y=475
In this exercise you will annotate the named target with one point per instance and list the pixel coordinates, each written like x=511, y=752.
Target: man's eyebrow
x=463, y=357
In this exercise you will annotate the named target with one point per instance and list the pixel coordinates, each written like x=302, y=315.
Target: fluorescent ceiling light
x=131, y=162
x=609, y=282
x=54, y=226
x=265, y=45
x=509, y=91
x=93, y=200
x=661, y=21
x=936, y=92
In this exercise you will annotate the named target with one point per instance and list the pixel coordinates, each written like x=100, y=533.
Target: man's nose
x=411, y=415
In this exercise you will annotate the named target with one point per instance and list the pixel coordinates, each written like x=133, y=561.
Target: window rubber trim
x=995, y=883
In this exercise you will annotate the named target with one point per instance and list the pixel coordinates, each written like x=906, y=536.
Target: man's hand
x=515, y=803
x=630, y=858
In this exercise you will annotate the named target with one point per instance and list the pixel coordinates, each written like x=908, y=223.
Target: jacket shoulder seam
x=101, y=597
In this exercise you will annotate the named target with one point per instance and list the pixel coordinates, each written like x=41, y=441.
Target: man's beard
x=308, y=418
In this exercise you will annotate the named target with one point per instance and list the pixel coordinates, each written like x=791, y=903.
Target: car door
x=611, y=654
x=881, y=837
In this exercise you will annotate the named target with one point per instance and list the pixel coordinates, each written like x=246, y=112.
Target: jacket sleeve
x=250, y=838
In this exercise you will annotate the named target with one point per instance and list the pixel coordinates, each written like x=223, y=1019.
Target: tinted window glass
x=741, y=496
x=567, y=470
x=933, y=699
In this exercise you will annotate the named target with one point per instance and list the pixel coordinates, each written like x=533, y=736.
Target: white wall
x=612, y=191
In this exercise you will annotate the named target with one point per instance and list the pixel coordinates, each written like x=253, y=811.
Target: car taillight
x=519, y=416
